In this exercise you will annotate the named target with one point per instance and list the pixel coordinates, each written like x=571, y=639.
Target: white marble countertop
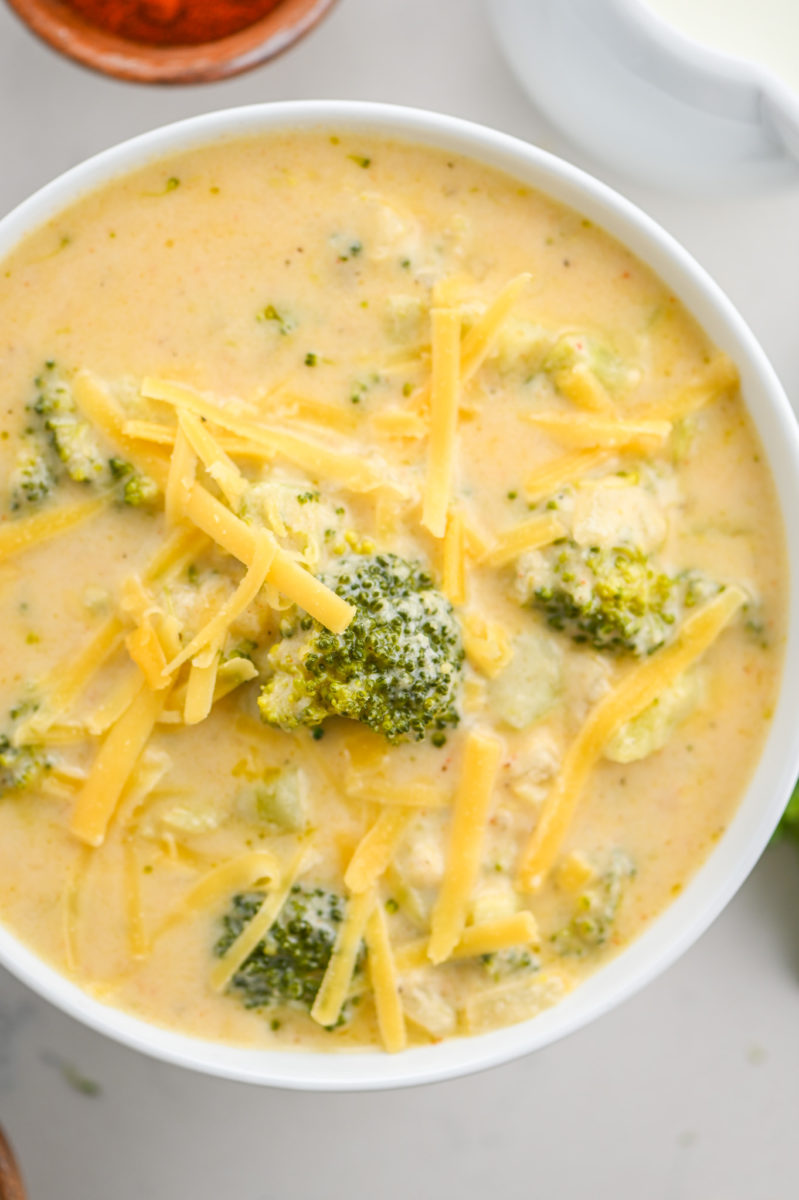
x=688, y=1092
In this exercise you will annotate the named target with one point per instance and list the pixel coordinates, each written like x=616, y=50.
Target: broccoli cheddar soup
x=392, y=591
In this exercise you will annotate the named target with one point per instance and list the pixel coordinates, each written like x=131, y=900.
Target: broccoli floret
x=287, y=967
x=77, y=450
x=596, y=910
x=396, y=668
x=20, y=766
x=614, y=599
x=32, y=478
x=72, y=438
x=140, y=490
x=501, y=964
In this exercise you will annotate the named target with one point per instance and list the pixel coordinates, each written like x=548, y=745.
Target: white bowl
x=739, y=848
x=633, y=91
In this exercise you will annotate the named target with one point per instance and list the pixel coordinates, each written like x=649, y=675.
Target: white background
x=688, y=1092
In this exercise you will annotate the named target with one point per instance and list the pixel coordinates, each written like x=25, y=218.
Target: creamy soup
x=393, y=595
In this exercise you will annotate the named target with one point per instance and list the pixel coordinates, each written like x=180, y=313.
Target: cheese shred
x=17, y=536
x=481, y=760
x=640, y=688
x=444, y=399
x=375, y=850
x=338, y=976
x=257, y=929
x=530, y=535
x=383, y=975
x=97, y=800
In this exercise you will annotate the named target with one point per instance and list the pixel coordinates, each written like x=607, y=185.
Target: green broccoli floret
x=140, y=490
x=72, y=438
x=501, y=964
x=32, y=478
x=614, y=599
x=596, y=910
x=20, y=766
x=287, y=967
x=396, y=668
x=73, y=448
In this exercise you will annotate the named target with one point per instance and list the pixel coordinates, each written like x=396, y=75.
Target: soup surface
x=392, y=590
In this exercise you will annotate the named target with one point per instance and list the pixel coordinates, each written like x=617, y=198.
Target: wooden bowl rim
x=66, y=31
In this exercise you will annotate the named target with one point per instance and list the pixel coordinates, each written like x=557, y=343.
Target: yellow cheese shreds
x=336, y=981
x=399, y=422
x=317, y=412
x=23, y=533
x=475, y=539
x=257, y=929
x=583, y=429
x=222, y=469
x=575, y=873
x=481, y=761
x=297, y=584
x=561, y=471
x=70, y=910
x=383, y=974
x=166, y=435
x=309, y=593
x=68, y=680
x=720, y=376
x=182, y=470
x=118, y=755
x=253, y=868
x=481, y=338
x=175, y=554
x=376, y=849
x=215, y=630
x=120, y=698
x=529, y=535
x=413, y=794
x=238, y=447
x=349, y=470
x=169, y=629
x=220, y=524
x=487, y=645
x=150, y=431
x=229, y=676
x=95, y=403
x=145, y=649
x=643, y=684
x=580, y=385
x=502, y=933
x=454, y=566
x=201, y=686
x=444, y=397
x=489, y=937
x=250, y=869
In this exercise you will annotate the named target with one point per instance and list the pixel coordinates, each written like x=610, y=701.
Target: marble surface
x=688, y=1092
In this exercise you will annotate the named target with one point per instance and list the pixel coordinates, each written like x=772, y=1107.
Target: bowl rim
x=738, y=849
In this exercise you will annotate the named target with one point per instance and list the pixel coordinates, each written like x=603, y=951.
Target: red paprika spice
x=172, y=22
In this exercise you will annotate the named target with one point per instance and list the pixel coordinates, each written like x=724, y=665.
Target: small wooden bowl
x=11, y=1185
x=63, y=29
